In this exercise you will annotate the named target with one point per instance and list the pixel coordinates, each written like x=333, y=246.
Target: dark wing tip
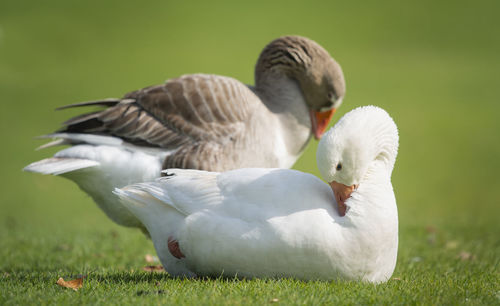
x=106, y=102
x=164, y=173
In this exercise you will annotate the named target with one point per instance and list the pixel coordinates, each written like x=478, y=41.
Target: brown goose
x=200, y=121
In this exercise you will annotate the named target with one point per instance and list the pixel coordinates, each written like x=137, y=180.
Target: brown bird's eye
x=332, y=97
x=339, y=166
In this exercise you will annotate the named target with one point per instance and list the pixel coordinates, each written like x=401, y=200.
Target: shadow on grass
x=48, y=275
x=153, y=277
x=130, y=277
x=38, y=275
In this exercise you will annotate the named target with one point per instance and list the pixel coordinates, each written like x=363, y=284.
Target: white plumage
x=103, y=163
x=278, y=222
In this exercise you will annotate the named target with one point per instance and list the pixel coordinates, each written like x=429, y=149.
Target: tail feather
x=91, y=123
x=98, y=140
x=55, y=143
x=153, y=189
x=76, y=138
x=147, y=208
x=59, y=165
x=144, y=192
x=82, y=118
x=130, y=198
x=105, y=102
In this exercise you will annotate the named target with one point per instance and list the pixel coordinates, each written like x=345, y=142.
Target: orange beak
x=320, y=120
x=342, y=193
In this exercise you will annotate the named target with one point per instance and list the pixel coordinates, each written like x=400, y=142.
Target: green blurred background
x=433, y=65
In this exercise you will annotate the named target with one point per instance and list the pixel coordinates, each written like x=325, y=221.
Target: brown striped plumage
x=202, y=117
x=194, y=115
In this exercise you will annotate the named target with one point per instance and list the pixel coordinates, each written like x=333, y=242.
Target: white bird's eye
x=339, y=166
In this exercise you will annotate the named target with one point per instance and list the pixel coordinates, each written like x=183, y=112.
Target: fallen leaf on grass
x=396, y=278
x=275, y=300
x=74, y=284
x=150, y=258
x=157, y=268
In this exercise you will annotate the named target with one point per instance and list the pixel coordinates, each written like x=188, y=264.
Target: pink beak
x=342, y=193
x=320, y=120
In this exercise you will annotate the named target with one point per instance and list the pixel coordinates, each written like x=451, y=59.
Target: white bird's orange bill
x=342, y=193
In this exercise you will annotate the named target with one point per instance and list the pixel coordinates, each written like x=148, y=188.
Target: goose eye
x=339, y=166
x=332, y=97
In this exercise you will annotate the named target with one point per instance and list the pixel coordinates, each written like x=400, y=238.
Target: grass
x=429, y=271
x=432, y=65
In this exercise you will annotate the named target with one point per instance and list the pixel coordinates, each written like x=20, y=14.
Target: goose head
x=319, y=76
x=346, y=152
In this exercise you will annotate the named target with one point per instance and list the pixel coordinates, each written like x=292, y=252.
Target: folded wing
x=195, y=116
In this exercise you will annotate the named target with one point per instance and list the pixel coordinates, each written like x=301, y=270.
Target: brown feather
x=180, y=114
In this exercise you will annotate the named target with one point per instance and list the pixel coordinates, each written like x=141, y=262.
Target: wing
x=197, y=116
x=185, y=190
x=267, y=193
x=248, y=194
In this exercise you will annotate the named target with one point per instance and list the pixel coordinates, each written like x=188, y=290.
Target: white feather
x=271, y=222
x=58, y=165
x=99, y=169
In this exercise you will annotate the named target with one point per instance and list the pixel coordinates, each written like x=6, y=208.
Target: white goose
x=200, y=121
x=279, y=222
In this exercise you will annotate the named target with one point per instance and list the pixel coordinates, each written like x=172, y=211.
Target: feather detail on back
x=199, y=116
x=183, y=110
